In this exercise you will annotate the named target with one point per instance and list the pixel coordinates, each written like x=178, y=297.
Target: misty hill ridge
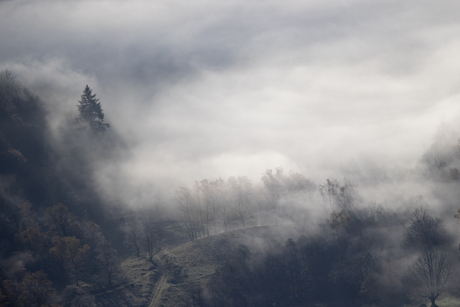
x=193, y=263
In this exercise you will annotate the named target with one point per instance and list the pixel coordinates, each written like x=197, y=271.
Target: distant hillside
x=178, y=270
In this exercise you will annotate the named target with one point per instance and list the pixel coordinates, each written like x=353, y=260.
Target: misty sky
x=202, y=89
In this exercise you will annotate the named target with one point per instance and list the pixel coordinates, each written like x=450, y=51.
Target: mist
x=258, y=153
x=205, y=90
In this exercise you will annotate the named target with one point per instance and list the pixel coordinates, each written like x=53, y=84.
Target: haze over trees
x=59, y=232
x=47, y=196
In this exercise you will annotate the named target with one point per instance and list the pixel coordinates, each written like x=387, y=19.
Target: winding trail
x=159, y=287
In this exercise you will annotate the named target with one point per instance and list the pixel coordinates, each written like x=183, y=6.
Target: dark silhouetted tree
x=424, y=231
x=109, y=258
x=151, y=234
x=430, y=274
x=91, y=112
x=68, y=251
x=431, y=271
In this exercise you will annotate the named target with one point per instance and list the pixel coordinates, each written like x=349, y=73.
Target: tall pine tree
x=91, y=112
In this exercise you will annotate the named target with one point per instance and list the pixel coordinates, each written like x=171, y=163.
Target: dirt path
x=159, y=287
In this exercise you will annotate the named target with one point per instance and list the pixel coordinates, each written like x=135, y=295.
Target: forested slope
x=282, y=241
x=49, y=205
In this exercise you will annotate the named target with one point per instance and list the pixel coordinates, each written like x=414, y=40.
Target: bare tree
x=336, y=197
x=109, y=258
x=330, y=191
x=430, y=274
x=274, y=190
x=151, y=236
x=200, y=209
x=211, y=195
x=240, y=196
x=443, y=149
x=431, y=271
x=221, y=198
x=187, y=209
x=132, y=232
x=347, y=195
x=9, y=81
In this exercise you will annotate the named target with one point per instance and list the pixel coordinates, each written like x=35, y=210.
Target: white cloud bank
x=202, y=89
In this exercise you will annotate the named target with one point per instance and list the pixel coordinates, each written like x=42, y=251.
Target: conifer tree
x=91, y=112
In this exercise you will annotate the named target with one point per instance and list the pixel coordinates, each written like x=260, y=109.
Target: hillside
x=178, y=269
x=179, y=273
x=193, y=263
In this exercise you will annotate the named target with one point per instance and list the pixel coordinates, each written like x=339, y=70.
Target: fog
x=344, y=89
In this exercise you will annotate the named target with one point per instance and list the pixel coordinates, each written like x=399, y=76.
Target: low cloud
x=207, y=90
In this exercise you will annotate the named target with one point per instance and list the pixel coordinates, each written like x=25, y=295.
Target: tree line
x=215, y=206
x=347, y=262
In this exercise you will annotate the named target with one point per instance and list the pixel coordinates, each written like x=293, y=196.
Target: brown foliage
x=60, y=221
x=34, y=290
x=68, y=252
x=32, y=238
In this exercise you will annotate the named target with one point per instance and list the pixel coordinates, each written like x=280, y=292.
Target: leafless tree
x=9, y=81
x=240, y=196
x=329, y=191
x=109, y=258
x=200, y=208
x=274, y=190
x=430, y=274
x=151, y=236
x=222, y=200
x=210, y=197
x=187, y=210
x=346, y=197
x=444, y=148
x=336, y=197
